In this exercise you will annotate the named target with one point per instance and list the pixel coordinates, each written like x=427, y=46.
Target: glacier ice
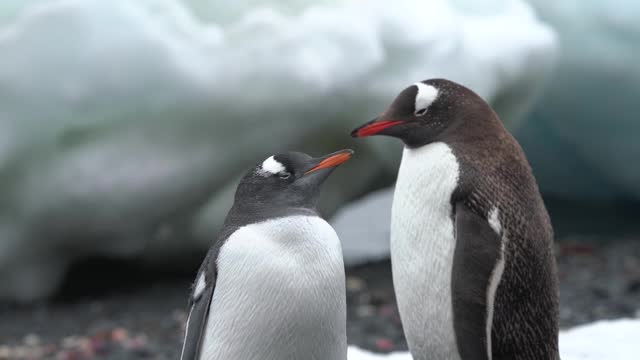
x=125, y=124
x=582, y=139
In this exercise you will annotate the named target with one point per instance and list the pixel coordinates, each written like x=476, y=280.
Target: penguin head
x=291, y=179
x=421, y=113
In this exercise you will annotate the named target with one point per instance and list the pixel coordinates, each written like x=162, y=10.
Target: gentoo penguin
x=471, y=240
x=272, y=287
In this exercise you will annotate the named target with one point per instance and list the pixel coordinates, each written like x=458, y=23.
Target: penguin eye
x=284, y=175
x=420, y=112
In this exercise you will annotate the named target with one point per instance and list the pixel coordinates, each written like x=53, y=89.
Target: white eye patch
x=271, y=166
x=426, y=95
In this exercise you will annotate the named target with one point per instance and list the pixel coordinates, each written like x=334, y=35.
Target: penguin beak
x=330, y=161
x=374, y=127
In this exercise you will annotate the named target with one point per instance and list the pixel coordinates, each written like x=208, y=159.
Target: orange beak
x=332, y=160
x=374, y=127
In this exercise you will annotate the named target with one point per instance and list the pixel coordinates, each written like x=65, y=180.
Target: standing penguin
x=272, y=287
x=471, y=240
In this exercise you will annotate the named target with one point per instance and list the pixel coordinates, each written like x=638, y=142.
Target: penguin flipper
x=477, y=254
x=196, y=323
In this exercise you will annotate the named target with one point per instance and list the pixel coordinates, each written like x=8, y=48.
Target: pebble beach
x=143, y=317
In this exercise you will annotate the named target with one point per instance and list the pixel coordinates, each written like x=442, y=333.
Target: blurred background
x=126, y=124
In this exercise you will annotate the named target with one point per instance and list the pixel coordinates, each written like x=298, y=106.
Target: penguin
x=471, y=240
x=272, y=286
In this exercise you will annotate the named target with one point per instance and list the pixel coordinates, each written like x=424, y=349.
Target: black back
x=494, y=173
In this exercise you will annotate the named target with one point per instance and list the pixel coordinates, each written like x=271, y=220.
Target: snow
x=606, y=339
x=125, y=124
x=355, y=353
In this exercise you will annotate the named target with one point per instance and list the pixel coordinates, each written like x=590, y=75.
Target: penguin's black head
x=287, y=180
x=421, y=112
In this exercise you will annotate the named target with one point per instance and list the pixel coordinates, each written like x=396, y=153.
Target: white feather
x=200, y=285
x=280, y=291
x=272, y=166
x=426, y=95
x=496, y=276
x=184, y=342
x=494, y=220
x=422, y=247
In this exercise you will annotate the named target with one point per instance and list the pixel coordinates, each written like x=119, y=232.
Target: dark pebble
x=633, y=286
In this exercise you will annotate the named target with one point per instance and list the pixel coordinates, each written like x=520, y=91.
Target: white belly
x=280, y=294
x=422, y=247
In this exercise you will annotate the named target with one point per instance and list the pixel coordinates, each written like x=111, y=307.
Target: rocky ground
x=100, y=315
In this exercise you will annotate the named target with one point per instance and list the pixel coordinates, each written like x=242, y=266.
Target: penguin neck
x=242, y=214
x=476, y=124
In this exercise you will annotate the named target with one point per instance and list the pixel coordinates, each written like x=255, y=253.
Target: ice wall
x=582, y=139
x=125, y=124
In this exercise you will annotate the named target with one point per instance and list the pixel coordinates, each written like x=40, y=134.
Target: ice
x=125, y=124
x=583, y=137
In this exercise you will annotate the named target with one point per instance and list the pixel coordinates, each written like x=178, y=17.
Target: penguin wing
x=476, y=263
x=198, y=315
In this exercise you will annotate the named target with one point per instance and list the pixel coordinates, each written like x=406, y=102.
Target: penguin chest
x=422, y=249
x=279, y=294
